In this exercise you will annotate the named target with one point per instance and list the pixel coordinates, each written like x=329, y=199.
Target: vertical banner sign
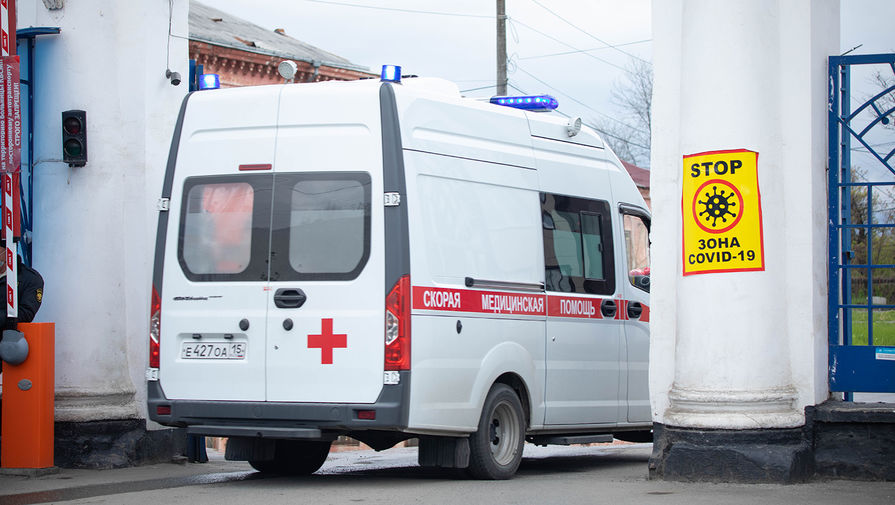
x=6, y=26
x=10, y=144
x=721, y=211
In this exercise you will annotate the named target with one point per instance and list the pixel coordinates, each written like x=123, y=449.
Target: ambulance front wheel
x=495, y=449
x=294, y=457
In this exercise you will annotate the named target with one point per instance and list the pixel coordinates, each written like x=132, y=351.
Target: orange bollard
x=28, y=408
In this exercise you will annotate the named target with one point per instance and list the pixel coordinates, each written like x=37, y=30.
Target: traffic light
x=74, y=138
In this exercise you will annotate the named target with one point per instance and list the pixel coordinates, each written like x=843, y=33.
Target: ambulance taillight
x=155, y=310
x=397, y=326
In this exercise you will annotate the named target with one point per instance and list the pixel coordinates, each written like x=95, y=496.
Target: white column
x=742, y=350
x=94, y=226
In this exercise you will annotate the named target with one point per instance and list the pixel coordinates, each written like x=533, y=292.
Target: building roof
x=223, y=29
x=640, y=175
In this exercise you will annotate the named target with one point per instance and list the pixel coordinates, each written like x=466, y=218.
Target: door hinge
x=163, y=204
x=392, y=199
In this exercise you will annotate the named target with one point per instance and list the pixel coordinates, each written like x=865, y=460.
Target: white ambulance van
x=389, y=260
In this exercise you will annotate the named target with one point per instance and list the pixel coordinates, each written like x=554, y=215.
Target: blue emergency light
x=391, y=73
x=531, y=102
x=209, y=81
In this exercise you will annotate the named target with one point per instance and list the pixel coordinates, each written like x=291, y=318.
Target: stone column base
x=115, y=444
x=781, y=455
x=733, y=410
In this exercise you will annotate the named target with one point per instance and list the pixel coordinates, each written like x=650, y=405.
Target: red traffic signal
x=74, y=137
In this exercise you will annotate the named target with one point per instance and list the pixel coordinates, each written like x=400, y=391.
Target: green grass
x=883, y=327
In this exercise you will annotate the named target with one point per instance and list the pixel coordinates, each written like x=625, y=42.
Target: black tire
x=294, y=457
x=495, y=450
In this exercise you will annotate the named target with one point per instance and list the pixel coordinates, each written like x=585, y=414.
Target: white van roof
x=435, y=117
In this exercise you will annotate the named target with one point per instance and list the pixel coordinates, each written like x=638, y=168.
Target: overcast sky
x=559, y=47
x=419, y=36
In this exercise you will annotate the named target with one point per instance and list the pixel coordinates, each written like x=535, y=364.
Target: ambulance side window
x=577, y=245
x=637, y=248
x=223, y=228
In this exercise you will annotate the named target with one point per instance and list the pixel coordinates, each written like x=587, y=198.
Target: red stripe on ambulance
x=482, y=302
x=499, y=302
x=644, y=316
x=568, y=306
x=622, y=313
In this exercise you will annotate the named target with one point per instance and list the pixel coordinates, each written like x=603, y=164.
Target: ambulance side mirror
x=641, y=281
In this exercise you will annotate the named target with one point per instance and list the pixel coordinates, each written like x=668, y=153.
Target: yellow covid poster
x=721, y=210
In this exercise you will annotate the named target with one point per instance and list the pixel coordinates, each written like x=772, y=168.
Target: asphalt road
x=553, y=475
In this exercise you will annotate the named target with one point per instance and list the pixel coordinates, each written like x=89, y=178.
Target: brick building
x=641, y=179
x=245, y=54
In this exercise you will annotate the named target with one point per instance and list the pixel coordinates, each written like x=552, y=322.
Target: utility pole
x=501, y=47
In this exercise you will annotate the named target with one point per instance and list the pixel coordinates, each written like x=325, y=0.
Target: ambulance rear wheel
x=495, y=449
x=294, y=457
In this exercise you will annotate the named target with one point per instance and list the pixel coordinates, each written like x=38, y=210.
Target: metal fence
x=862, y=223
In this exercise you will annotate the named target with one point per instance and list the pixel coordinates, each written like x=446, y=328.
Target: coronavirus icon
x=717, y=206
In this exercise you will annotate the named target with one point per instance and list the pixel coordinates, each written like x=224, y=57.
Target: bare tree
x=629, y=132
x=887, y=101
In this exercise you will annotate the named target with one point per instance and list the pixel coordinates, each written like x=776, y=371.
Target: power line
x=565, y=53
x=566, y=21
x=551, y=37
x=584, y=104
x=478, y=89
x=612, y=135
x=394, y=9
x=864, y=149
x=517, y=88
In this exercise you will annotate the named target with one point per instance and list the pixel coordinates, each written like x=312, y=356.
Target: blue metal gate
x=862, y=223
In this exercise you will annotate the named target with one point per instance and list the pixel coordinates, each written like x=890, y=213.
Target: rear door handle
x=289, y=298
x=634, y=310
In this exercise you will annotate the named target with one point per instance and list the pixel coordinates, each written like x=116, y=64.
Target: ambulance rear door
x=213, y=293
x=326, y=302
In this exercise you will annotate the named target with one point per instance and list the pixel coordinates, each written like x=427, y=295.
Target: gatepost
x=26, y=442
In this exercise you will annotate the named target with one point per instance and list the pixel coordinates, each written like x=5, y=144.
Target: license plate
x=213, y=350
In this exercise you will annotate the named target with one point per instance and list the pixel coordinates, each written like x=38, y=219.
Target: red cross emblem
x=326, y=341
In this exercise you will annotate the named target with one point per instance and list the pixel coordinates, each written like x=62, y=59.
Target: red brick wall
x=644, y=192
x=246, y=68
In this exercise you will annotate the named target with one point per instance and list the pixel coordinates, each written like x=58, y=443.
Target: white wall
x=94, y=226
x=742, y=350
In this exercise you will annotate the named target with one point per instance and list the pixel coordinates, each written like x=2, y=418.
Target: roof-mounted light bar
x=537, y=103
x=391, y=73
